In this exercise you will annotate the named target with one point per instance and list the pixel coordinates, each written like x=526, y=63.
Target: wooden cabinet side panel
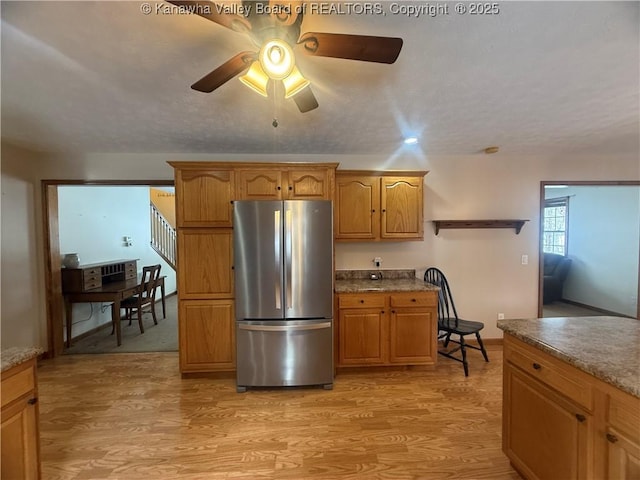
x=205, y=258
x=207, y=335
x=357, y=212
x=203, y=198
x=402, y=205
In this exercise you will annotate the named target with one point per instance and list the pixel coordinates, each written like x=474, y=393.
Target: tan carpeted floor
x=156, y=338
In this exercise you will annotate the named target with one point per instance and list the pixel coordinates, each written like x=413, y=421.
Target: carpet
x=156, y=338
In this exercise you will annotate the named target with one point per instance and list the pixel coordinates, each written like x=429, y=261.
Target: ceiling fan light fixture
x=256, y=79
x=276, y=58
x=294, y=83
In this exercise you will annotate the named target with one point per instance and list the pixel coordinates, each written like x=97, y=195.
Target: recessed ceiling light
x=410, y=140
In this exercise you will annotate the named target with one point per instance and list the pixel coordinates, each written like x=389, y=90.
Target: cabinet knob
x=382, y=311
x=537, y=366
x=32, y=401
x=279, y=187
x=290, y=187
x=361, y=301
x=393, y=311
x=384, y=210
x=612, y=438
x=373, y=211
x=581, y=418
x=413, y=300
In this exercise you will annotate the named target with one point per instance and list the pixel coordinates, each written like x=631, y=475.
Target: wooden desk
x=113, y=293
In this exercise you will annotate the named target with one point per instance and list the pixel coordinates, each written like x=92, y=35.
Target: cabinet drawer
x=130, y=270
x=413, y=299
x=624, y=415
x=18, y=385
x=92, y=281
x=549, y=372
x=361, y=301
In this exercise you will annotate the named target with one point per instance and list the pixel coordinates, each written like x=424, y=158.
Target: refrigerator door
x=308, y=262
x=284, y=353
x=258, y=259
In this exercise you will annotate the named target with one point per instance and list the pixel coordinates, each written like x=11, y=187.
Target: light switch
x=525, y=259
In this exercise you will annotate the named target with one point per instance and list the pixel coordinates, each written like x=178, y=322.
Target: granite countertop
x=606, y=347
x=357, y=281
x=16, y=355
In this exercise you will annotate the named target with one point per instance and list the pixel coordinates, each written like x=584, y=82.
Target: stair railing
x=163, y=237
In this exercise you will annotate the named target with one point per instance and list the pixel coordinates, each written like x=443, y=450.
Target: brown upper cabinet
x=285, y=183
x=204, y=196
x=379, y=205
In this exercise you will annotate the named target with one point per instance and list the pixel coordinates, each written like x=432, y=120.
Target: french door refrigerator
x=283, y=262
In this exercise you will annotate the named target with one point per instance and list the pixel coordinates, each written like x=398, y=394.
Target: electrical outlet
x=501, y=316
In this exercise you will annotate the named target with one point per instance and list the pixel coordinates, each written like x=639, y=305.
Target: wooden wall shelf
x=516, y=224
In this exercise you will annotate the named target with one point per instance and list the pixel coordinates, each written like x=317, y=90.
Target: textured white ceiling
x=539, y=77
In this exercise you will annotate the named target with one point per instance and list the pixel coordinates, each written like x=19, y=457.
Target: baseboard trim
x=595, y=309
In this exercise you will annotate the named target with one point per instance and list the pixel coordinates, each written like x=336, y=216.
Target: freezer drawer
x=284, y=353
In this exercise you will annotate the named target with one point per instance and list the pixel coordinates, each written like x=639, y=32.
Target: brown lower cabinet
x=560, y=422
x=386, y=329
x=207, y=336
x=20, y=452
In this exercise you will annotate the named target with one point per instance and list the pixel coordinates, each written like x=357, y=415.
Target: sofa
x=556, y=269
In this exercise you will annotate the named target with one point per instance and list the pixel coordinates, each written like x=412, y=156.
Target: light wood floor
x=131, y=416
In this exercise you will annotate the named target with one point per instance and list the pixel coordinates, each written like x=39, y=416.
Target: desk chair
x=145, y=297
x=450, y=324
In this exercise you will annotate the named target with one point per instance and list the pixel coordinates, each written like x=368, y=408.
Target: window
x=555, y=222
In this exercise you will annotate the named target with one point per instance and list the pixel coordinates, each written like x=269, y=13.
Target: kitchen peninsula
x=571, y=397
x=389, y=321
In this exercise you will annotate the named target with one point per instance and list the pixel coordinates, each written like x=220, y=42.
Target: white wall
x=482, y=265
x=604, y=238
x=92, y=223
x=22, y=313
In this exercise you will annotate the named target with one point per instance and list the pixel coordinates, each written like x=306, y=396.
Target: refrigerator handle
x=277, y=245
x=288, y=247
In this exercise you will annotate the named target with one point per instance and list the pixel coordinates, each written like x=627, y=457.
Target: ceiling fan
x=274, y=27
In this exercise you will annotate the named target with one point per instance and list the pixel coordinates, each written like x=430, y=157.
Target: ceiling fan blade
x=225, y=72
x=353, y=47
x=305, y=100
x=217, y=13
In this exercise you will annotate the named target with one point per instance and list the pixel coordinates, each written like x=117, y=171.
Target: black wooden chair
x=450, y=324
x=145, y=297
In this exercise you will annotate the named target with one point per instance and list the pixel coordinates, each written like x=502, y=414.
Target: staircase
x=163, y=237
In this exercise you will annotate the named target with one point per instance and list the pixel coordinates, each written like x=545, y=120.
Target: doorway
x=53, y=253
x=595, y=226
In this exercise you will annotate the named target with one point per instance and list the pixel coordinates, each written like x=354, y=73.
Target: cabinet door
x=309, y=184
x=357, y=209
x=207, y=336
x=402, y=208
x=259, y=184
x=205, y=262
x=412, y=336
x=203, y=198
x=363, y=337
x=20, y=440
x=623, y=456
x=544, y=435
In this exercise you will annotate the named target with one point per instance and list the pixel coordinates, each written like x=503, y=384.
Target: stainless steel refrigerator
x=283, y=261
